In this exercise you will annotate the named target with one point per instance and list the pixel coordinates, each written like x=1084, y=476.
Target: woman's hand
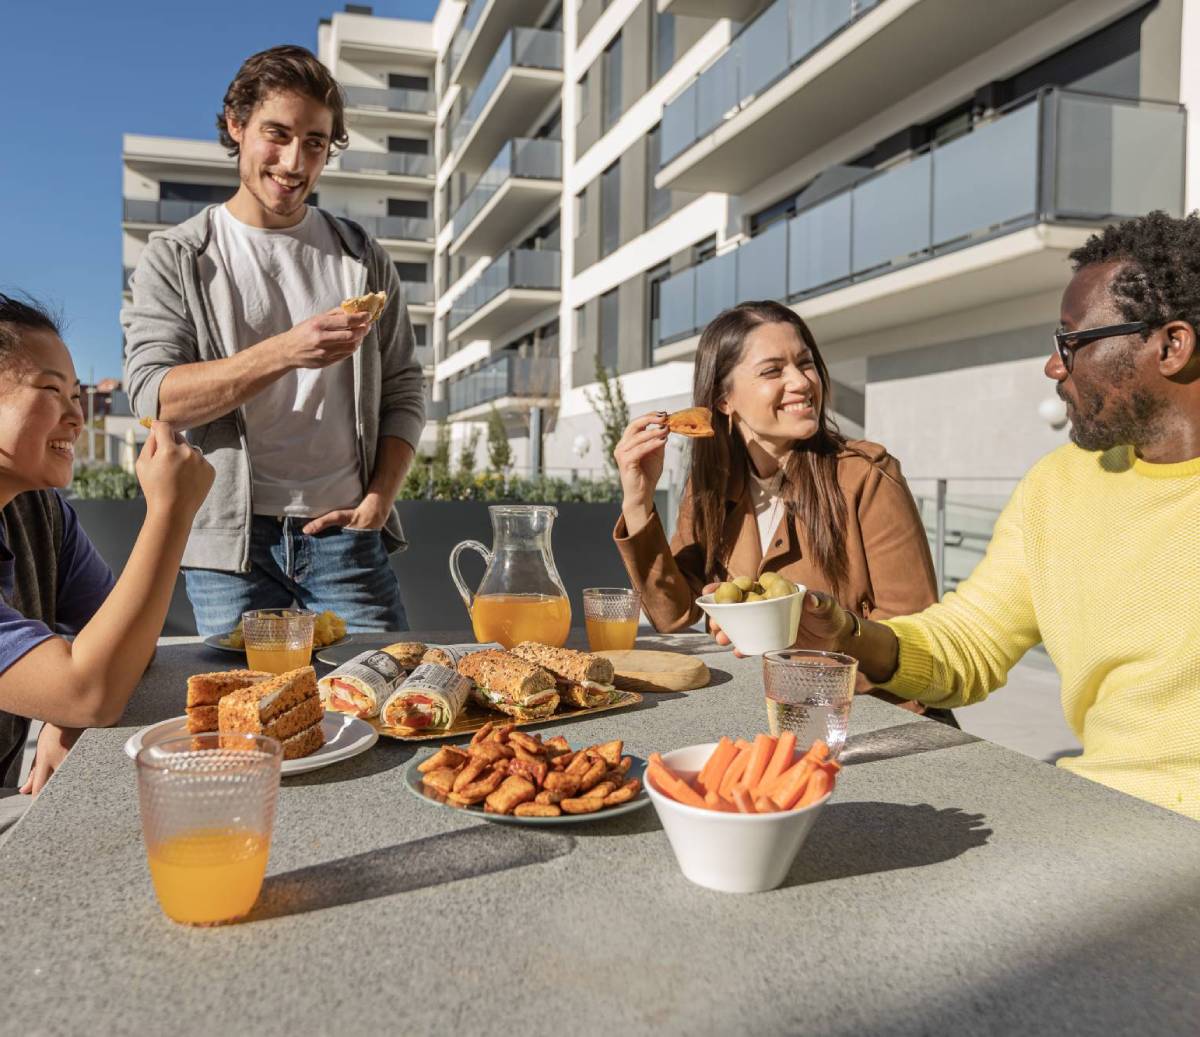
x=824, y=624
x=640, y=456
x=53, y=744
x=175, y=478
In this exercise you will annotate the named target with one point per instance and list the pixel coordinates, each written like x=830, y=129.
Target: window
x=612, y=82
x=658, y=202
x=408, y=146
x=610, y=208
x=784, y=209
x=705, y=249
x=169, y=191
x=580, y=327
x=403, y=81
x=662, y=45
x=421, y=334
x=412, y=273
x=580, y=212
x=581, y=98
x=610, y=330
x=407, y=207
x=654, y=280
x=551, y=129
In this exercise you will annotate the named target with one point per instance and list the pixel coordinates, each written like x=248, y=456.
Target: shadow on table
x=434, y=861
x=385, y=755
x=681, y=644
x=889, y=743
x=865, y=838
x=636, y=822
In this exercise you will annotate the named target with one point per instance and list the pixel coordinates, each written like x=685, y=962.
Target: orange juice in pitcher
x=521, y=596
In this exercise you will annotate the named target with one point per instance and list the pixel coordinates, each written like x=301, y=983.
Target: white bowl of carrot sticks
x=736, y=813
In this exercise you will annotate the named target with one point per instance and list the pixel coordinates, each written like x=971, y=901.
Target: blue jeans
x=340, y=569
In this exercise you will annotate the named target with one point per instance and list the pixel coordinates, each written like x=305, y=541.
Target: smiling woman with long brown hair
x=778, y=488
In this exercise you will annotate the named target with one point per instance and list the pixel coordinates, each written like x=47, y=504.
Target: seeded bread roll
x=566, y=664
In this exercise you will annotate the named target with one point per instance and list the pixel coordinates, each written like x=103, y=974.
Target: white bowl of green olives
x=758, y=615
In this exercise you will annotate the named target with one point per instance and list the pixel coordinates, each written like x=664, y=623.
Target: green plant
x=441, y=451
x=612, y=410
x=104, y=482
x=466, y=454
x=492, y=486
x=499, y=449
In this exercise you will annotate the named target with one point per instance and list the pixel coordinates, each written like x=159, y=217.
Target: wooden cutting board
x=640, y=670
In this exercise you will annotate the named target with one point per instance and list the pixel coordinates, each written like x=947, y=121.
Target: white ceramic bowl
x=731, y=853
x=755, y=627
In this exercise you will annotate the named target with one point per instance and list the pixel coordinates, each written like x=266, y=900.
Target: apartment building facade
x=605, y=175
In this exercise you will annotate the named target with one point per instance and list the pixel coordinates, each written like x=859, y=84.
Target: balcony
x=987, y=216
x=524, y=75
x=511, y=290
x=382, y=163
x=504, y=382
x=524, y=178
x=417, y=293
x=395, y=108
x=482, y=28
x=738, y=10
x=154, y=213
x=409, y=229
x=804, y=71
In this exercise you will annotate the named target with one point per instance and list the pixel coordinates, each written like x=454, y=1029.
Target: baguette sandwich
x=509, y=684
x=584, y=680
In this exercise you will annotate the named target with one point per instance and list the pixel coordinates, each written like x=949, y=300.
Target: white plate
x=215, y=641
x=345, y=736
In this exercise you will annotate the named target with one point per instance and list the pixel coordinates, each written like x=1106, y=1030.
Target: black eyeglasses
x=1066, y=342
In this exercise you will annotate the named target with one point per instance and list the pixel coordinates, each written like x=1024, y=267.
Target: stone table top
x=950, y=886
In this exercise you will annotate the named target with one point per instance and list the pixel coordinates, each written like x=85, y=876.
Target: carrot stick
x=798, y=778
x=760, y=756
x=781, y=759
x=818, y=750
x=744, y=803
x=673, y=786
x=718, y=763
x=735, y=771
x=714, y=801
x=819, y=784
x=769, y=788
x=764, y=805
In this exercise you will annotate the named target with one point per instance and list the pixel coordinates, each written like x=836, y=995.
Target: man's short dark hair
x=16, y=315
x=1160, y=281
x=287, y=69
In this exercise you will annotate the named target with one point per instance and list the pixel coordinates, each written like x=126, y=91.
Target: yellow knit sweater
x=1098, y=556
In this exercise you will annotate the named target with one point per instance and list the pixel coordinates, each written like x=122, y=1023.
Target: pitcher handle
x=474, y=545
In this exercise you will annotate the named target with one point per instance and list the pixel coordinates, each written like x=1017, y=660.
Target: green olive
x=743, y=583
x=780, y=589
x=767, y=579
x=755, y=596
x=727, y=594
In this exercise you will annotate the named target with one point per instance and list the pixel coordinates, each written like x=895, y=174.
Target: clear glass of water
x=809, y=694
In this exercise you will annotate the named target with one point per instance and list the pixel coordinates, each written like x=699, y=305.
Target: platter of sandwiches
x=417, y=692
x=286, y=707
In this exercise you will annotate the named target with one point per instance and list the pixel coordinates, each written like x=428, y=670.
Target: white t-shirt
x=769, y=508
x=300, y=428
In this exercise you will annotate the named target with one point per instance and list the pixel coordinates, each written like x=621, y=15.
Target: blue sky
x=75, y=76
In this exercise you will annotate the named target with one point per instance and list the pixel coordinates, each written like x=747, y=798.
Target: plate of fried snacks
x=508, y=775
x=328, y=630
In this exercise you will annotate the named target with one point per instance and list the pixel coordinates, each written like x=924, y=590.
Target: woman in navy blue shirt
x=52, y=581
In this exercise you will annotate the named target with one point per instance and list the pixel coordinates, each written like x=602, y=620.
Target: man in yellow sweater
x=1097, y=554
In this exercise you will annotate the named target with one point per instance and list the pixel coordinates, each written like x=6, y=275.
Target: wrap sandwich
x=360, y=686
x=431, y=697
x=584, y=680
x=509, y=684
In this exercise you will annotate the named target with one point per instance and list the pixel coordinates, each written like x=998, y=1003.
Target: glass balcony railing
x=418, y=102
x=1059, y=156
x=768, y=48
x=417, y=293
x=145, y=210
x=424, y=356
x=505, y=376
x=401, y=228
x=520, y=48
x=470, y=19
x=518, y=268
x=521, y=157
x=398, y=163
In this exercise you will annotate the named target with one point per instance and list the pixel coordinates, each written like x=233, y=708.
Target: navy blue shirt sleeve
x=84, y=578
x=18, y=635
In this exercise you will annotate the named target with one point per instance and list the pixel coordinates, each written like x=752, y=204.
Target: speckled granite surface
x=950, y=887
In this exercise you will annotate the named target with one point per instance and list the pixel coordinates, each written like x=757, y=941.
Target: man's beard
x=1130, y=420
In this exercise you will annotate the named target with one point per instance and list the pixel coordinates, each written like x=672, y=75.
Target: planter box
x=582, y=542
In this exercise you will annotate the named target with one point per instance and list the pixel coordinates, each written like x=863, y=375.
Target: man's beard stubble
x=1131, y=419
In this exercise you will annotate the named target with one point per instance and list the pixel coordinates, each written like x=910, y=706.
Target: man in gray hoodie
x=309, y=415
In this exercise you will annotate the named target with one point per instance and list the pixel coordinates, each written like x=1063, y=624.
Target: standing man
x=308, y=414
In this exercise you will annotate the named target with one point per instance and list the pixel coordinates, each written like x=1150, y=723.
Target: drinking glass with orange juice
x=521, y=596
x=278, y=640
x=610, y=615
x=208, y=809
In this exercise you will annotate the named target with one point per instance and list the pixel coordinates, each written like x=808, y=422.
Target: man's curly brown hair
x=288, y=69
x=1160, y=280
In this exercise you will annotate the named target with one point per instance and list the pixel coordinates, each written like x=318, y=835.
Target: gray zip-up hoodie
x=182, y=312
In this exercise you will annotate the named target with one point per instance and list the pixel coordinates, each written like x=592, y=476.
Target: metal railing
x=399, y=163
x=1059, y=156
x=521, y=47
x=149, y=210
x=534, y=377
x=521, y=157
x=959, y=514
x=769, y=47
x=517, y=268
x=390, y=99
x=417, y=293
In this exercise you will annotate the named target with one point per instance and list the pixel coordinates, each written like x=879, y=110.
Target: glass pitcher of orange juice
x=521, y=597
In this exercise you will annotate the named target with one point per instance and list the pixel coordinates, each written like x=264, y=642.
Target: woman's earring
x=730, y=416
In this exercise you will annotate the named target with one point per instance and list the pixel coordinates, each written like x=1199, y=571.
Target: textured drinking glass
x=207, y=816
x=809, y=694
x=278, y=640
x=611, y=615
